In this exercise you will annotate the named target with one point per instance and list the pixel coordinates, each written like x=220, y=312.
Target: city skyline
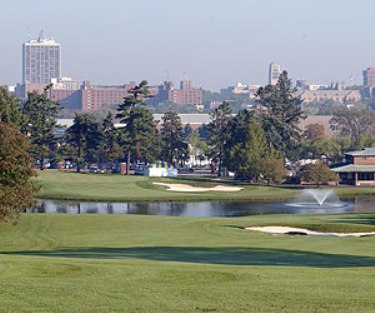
x=221, y=44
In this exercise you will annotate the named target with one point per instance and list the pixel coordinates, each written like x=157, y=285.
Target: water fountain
x=320, y=195
x=324, y=199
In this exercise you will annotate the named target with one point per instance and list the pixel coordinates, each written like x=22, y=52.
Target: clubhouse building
x=359, y=168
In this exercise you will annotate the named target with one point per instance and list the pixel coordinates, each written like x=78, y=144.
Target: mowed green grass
x=130, y=263
x=99, y=187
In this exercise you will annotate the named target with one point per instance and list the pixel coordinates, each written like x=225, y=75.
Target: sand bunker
x=189, y=188
x=285, y=230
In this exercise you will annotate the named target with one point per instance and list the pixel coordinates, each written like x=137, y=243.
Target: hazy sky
x=215, y=42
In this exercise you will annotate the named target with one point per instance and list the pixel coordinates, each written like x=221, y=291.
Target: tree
x=172, y=135
x=16, y=190
x=197, y=147
x=238, y=131
x=246, y=157
x=188, y=130
x=139, y=136
x=109, y=150
x=82, y=139
x=10, y=109
x=353, y=122
x=219, y=131
x=272, y=167
x=319, y=173
x=41, y=115
x=281, y=114
x=314, y=131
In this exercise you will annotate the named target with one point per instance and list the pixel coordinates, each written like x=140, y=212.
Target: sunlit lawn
x=130, y=263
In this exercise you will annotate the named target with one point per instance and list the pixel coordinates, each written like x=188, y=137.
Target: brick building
x=359, y=169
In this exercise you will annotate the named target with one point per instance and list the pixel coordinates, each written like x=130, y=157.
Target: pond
x=206, y=208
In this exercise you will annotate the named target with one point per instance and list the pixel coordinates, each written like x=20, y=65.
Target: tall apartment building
x=274, y=73
x=41, y=61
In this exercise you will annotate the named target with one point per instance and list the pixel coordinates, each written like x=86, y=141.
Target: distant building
x=274, y=73
x=368, y=81
x=340, y=96
x=85, y=97
x=369, y=77
x=186, y=95
x=304, y=85
x=41, y=61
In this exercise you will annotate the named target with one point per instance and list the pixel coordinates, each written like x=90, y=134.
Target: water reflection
x=200, y=209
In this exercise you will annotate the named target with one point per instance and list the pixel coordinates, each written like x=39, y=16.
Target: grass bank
x=107, y=263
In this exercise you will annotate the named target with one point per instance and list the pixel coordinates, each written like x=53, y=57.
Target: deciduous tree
x=318, y=173
x=16, y=190
x=354, y=123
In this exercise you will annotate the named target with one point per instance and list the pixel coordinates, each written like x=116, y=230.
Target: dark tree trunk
x=127, y=163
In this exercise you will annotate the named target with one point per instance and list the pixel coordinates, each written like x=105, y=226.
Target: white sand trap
x=189, y=188
x=285, y=230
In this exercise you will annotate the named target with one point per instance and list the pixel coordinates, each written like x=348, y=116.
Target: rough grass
x=130, y=263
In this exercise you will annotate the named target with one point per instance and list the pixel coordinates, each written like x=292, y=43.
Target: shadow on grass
x=217, y=255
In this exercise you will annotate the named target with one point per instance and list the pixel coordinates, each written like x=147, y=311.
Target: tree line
x=253, y=144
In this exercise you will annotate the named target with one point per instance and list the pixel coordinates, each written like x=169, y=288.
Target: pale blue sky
x=216, y=42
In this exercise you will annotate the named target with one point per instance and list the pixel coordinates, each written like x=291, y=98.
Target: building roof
x=354, y=168
x=363, y=152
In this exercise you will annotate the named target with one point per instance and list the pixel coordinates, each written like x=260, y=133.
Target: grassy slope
x=96, y=263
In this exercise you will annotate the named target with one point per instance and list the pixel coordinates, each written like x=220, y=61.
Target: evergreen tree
x=139, y=136
x=281, y=114
x=172, y=136
x=82, y=139
x=188, y=130
x=238, y=133
x=110, y=150
x=246, y=156
x=10, y=109
x=16, y=190
x=219, y=132
x=41, y=115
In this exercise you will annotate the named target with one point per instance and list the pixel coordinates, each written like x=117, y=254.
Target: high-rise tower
x=274, y=73
x=41, y=61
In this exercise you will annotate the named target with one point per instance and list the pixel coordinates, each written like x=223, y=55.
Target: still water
x=205, y=208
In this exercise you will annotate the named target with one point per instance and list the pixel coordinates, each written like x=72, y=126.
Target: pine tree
x=172, y=136
x=110, y=149
x=139, y=136
x=11, y=109
x=82, y=139
x=281, y=114
x=41, y=115
x=219, y=132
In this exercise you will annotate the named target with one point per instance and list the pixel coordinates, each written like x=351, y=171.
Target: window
x=365, y=176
